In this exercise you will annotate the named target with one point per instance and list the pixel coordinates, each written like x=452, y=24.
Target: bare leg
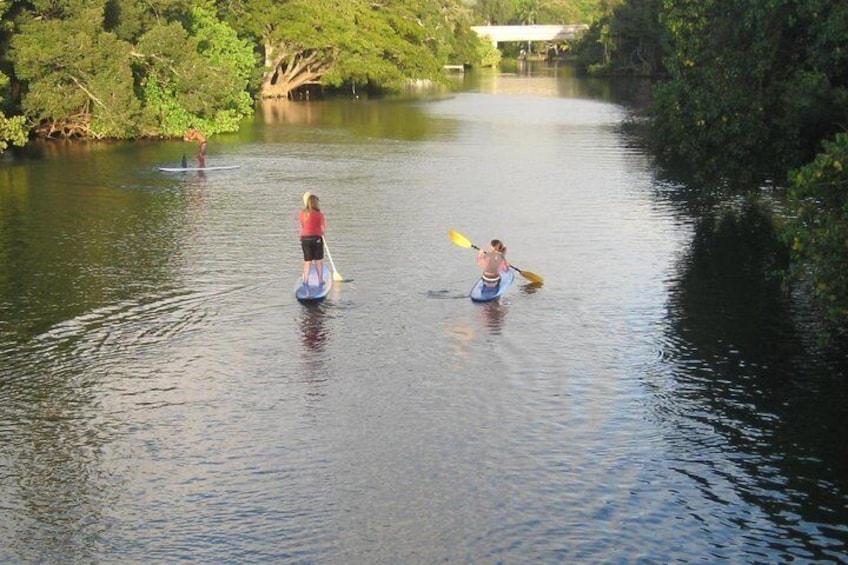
x=306, y=266
x=319, y=264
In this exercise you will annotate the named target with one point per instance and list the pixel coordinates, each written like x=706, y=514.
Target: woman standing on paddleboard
x=493, y=263
x=312, y=226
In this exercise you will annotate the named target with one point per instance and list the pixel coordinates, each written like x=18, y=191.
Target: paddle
x=184, y=163
x=462, y=241
x=336, y=276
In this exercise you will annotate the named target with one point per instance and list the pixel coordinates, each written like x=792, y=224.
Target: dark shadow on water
x=746, y=366
x=445, y=294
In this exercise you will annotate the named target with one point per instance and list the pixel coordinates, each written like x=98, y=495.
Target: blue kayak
x=483, y=293
x=313, y=291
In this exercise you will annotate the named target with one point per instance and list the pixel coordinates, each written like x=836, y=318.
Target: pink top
x=311, y=223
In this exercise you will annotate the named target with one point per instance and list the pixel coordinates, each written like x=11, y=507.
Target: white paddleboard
x=197, y=169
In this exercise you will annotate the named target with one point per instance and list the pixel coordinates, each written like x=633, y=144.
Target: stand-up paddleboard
x=312, y=291
x=198, y=169
x=483, y=293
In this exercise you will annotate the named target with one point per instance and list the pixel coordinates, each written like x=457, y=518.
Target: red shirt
x=311, y=223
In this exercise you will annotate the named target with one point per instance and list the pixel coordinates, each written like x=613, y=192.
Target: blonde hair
x=498, y=246
x=312, y=203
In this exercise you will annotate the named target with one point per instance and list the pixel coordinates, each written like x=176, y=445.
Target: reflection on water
x=363, y=117
x=745, y=383
x=313, y=328
x=531, y=287
x=493, y=314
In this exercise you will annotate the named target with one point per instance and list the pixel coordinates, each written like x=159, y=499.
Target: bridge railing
x=504, y=34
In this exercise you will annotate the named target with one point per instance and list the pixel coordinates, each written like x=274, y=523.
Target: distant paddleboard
x=197, y=169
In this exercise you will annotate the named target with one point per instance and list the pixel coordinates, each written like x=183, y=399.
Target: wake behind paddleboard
x=197, y=169
x=483, y=293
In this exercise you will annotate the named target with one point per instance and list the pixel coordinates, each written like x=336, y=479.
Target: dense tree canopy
x=12, y=128
x=379, y=43
x=138, y=68
x=128, y=68
x=754, y=86
x=628, y=40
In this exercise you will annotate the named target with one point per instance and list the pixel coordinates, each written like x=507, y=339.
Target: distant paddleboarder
x=192, y=134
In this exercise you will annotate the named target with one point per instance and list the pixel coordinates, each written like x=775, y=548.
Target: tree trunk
x=286, y=71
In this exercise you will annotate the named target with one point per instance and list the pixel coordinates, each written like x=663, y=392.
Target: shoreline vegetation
x=747, y=95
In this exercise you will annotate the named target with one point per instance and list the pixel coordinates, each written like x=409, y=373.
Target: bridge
x=553, y=33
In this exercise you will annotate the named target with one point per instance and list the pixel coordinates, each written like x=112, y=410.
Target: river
x=165, y=399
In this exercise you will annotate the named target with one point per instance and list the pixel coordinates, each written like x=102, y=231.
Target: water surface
x=164, y=398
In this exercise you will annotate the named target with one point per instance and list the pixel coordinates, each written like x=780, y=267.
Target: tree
x=528, y=11
x=754, y=89
x=358, y=42
x=79, y=83
x=628, y=41
x=751, y=89
x=819, y=228
x=196, y=77
x=496, y=12
x=12, y=128
x=130, y=68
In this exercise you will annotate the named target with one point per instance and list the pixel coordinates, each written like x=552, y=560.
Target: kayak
x=314, y=292
x=483, y=293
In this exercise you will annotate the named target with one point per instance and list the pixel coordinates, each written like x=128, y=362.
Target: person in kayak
x=312, y=226
x=493, y=263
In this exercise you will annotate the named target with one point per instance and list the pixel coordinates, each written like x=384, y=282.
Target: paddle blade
x=460, y=240
x=337, y=277
x=184, y=163
x=532, y=277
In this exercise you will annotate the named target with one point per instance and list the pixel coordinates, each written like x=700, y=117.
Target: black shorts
x=313, y=248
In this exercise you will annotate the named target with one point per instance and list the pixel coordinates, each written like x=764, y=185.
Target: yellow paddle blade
x=532, y=277
x=337, y=277
x=460, y=239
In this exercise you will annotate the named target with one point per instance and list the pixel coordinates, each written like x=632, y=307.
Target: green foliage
x=496, y=12
x=753, y=85
x=78, y=76
x=130, y=68
x=490, y=56
x=12, y=131
x=819, y=229
x=379, y=43
x=12, y=128
x=629, y=41
x=193, y=80
x=130, y=19
x=528, y=12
